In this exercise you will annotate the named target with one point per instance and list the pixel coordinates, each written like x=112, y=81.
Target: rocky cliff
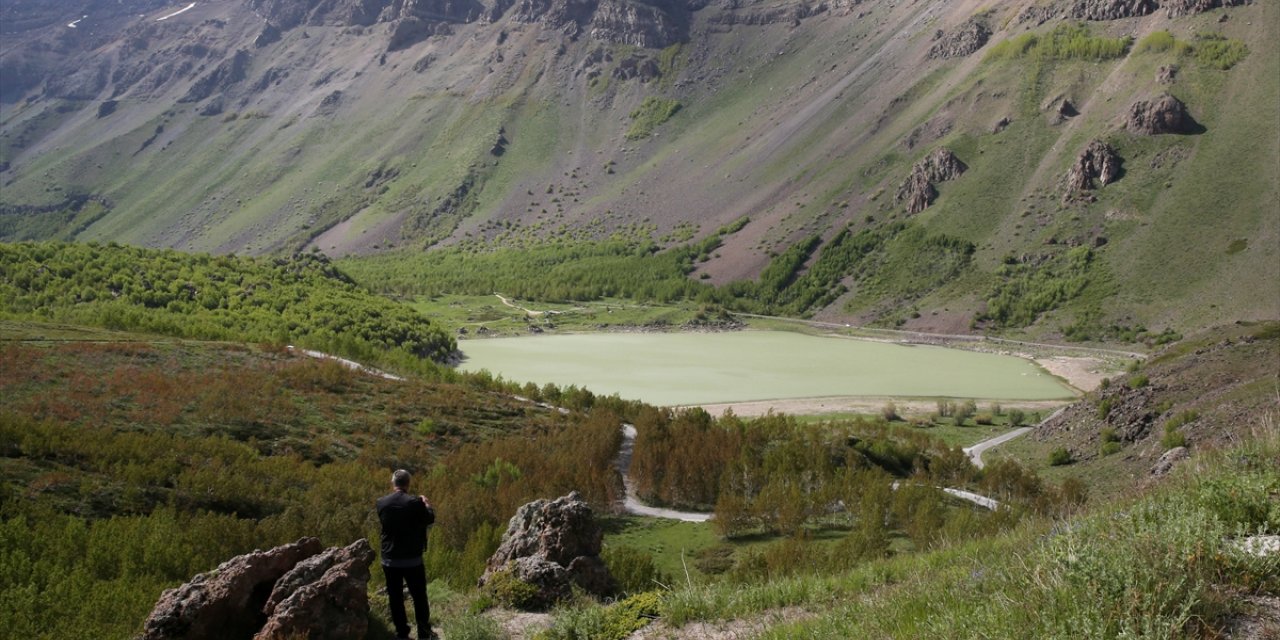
x=294, y=591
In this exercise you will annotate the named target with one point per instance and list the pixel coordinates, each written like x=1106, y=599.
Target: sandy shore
x=1083, y=374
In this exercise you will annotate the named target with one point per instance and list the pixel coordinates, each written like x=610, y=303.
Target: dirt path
x=632, y=503
x=975, y=452
x=515, y=306
x=350, y=364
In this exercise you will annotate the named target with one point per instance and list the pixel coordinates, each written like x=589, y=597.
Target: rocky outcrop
x=1111, y=9
x=618, y=21
x=747, y=13
x=1167, y=461
x=229, y=72
x=296, y=590
x=1097, y=165
x=1167, y=73
x=1165, y=114
x=638, y=25
x=918, y=191
x=552, y=545
x=325, y=596
x=226, y=602
x=1177, y=8
x=962, y=41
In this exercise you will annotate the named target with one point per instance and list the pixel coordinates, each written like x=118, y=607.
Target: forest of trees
x=303, y=299
x=776, y=475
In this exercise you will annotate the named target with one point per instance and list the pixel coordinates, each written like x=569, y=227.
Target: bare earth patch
x=519, y=625
x=726, y=630
x=850, y=404
x=1085, y=374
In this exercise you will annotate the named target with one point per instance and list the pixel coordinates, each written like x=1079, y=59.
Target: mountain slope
x=361, y=127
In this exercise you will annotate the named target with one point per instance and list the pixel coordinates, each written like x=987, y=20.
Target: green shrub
x=1064, y=42
x=649, y=115
x=1215, y=51
x=1105, y=408
x=1016, y=417
x=1059, y=457
x=1139, y=381
x=1161, y=41
x=633, y=569
x=1110, y=447
x=985, y=419
x=890, y=412
x=509, y=591
x=1172, y=438
x=614, y=622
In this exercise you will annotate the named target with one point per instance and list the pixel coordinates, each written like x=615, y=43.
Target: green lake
x=704, y=368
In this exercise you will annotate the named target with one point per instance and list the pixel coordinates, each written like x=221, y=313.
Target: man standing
x=405, y=519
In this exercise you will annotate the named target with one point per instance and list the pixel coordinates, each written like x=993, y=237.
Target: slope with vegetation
x=377, y=128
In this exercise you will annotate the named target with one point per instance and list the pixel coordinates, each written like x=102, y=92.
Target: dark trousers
x=416, y=579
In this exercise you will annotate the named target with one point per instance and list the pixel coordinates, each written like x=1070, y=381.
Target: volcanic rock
x=226, y=602
x=323, y=597
x=1097, y=163
x=1171, y=457
x=1111, y=9
x=1167, y=73
x=965, y=39
x=1165, y=114
x=551, y=545
x=918, y=191
x=1177, y=8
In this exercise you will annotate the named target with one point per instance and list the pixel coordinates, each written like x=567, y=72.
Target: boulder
x=226, y=602
x=331, y=606
x=1098, y=164
x=962, y=41
x=551, y=545
x=1166, y=462
x=918, y=190
x=1165, y=114
x=1167, y=73
x=1111, y=9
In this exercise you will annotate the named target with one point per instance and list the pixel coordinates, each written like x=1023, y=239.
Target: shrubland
x=301, y=299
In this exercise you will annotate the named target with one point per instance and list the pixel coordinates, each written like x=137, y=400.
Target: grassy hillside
x=507, y=135
x=281, y=300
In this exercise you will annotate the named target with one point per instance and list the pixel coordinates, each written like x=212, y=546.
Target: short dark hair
x=401, y=478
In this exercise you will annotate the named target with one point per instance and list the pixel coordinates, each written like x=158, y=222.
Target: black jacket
x=404, y=528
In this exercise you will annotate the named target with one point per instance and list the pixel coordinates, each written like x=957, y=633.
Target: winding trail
x=350, y=364
x=975, y=452
x=632, y=503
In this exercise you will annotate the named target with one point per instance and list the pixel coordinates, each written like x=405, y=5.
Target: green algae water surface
x=703, y=368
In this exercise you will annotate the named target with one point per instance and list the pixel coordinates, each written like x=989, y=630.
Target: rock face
x=1097, y=165
x=1177, y=8
x=226, y=602
x=965, y=39
x=551, y=545
x=325, y=596
x=1111, y=9
x=1165, y=114
x=918, y=191
x=296, y=590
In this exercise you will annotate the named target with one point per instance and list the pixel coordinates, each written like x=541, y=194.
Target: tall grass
x=1168, y=565
x=1064, y=42
x=1208, y=50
